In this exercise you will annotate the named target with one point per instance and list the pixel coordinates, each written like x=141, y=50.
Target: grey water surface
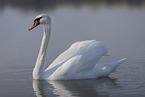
x=119, y=25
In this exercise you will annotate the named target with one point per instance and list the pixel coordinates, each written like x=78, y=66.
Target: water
x=119, y=25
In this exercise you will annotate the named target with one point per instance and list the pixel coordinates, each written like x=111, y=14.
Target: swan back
x=77, y=61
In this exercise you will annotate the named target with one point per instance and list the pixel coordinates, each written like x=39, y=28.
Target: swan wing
x=89, y=48
x=65, y=55
x=77, y=62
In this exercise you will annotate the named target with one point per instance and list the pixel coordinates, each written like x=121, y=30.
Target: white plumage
x=77, y=62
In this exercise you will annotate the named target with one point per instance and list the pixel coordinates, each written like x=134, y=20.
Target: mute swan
x=77, y=62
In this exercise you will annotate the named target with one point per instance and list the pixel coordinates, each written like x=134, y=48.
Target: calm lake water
x=119, y=25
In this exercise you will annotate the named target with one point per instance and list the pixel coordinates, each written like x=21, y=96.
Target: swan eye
x=37, y=19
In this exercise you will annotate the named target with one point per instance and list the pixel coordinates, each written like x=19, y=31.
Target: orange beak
x=36, y=23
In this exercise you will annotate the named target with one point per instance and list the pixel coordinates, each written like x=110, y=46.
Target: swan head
x=41, y=19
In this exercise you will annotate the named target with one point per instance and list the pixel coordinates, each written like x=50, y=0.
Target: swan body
x=77, y=62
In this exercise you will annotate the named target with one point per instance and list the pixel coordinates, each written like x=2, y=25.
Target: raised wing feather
x=77, y=61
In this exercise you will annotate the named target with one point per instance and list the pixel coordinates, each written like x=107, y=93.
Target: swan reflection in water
x=79, y=88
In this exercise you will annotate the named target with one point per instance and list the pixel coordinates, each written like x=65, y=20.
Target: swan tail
x=121, y=61
x=112, y=65
x=102, y=70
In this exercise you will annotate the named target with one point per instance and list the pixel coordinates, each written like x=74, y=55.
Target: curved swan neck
x=39, y=66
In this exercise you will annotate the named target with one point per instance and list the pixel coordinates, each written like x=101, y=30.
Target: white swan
x=77, y=62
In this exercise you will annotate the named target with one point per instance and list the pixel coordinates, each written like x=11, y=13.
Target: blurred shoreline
x=52, y=4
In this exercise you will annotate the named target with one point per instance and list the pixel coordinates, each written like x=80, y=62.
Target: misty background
x=119, y=24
